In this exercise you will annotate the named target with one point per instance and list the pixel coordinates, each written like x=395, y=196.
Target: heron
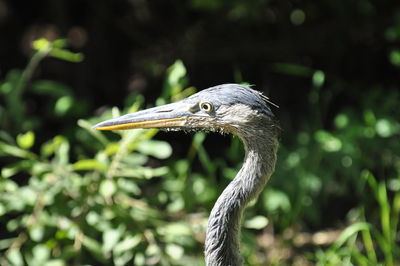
x=226, y=108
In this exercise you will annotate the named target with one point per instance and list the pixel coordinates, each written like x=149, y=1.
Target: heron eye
x=206, y=107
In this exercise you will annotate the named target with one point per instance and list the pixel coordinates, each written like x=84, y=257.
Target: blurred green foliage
x=59, y=210
x=121, y=198
x=14, y=115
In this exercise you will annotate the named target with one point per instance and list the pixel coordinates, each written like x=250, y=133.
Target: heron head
x=229, y=108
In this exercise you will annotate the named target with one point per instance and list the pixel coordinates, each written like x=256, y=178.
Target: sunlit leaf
x=94, y=246
x=129, y=186
x=3, y=210
x=7, y=172
x=26, y=141
x=293, y=159
x=135, y=158
x=63, y=105
x=96, y=133
x=143, y=172
x=384, y=128
x=139, y=259
x=89, y=164
x=41, y=44
x=203, y=191
x=57, y=262
x=158, y=149
x=128, y=243
x=350, y=231
x=176, y=205
x=318, y=78
x=175, y=229
x=28, y=195
x=15, y=151
x=175, y=73
x=112, y=148
x=152, y=250
x=6, y=243
x=329, y=142
x=36, y=233
x=174, y=251
x=92, y=218
x=123, y=259
x=15, y=257
x=394, y=57
x=59, y=43
x=61, y=149
x=110, y=238
x=66, y=55
x=107, y=188
x=41, y=254
x=257, y=222
x=275, y=200
x=341, y=121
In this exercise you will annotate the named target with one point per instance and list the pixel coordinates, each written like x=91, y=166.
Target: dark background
x=129, y=44
x=320, y=61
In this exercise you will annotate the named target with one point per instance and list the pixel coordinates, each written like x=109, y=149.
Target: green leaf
x=3, y=211
x=15, y=257
x=257, y=222
x=63, y=105
x=156, y=148
x=93, y=246
x=6, y=243
x=329, y=142
x=318, y=78
x=135, y=159
x=275, y=200
x=57, y=262
x=66, y=55
x=20, y=166
x=41, y=44
x=175, y=230
x=394, y=57
x=36, y=233
x=175, y=73
x=92, y=218
x=128, y=186
x=110, y=238
x=50, y=88
x=41, y=253
x=26, y=141
x=62, y=149
x=143, y=172
x=128, y=243
x=174, y=251
x=59, y=43
x=95, y=133
x=341, y=121
x=385, y=128
x=89, y=164
x=7, y=172
x=123, y=259
x=349, y=232
x=107, y=188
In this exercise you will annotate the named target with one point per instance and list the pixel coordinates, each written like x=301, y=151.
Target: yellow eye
x=206, y=107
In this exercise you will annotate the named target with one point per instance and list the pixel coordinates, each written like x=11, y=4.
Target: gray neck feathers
x=223, y=231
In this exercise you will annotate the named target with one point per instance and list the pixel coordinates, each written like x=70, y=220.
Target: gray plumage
x=228, y=108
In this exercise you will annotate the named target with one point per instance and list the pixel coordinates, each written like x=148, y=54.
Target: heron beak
x=166, y=116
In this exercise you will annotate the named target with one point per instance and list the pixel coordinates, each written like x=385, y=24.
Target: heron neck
x=222, y=238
